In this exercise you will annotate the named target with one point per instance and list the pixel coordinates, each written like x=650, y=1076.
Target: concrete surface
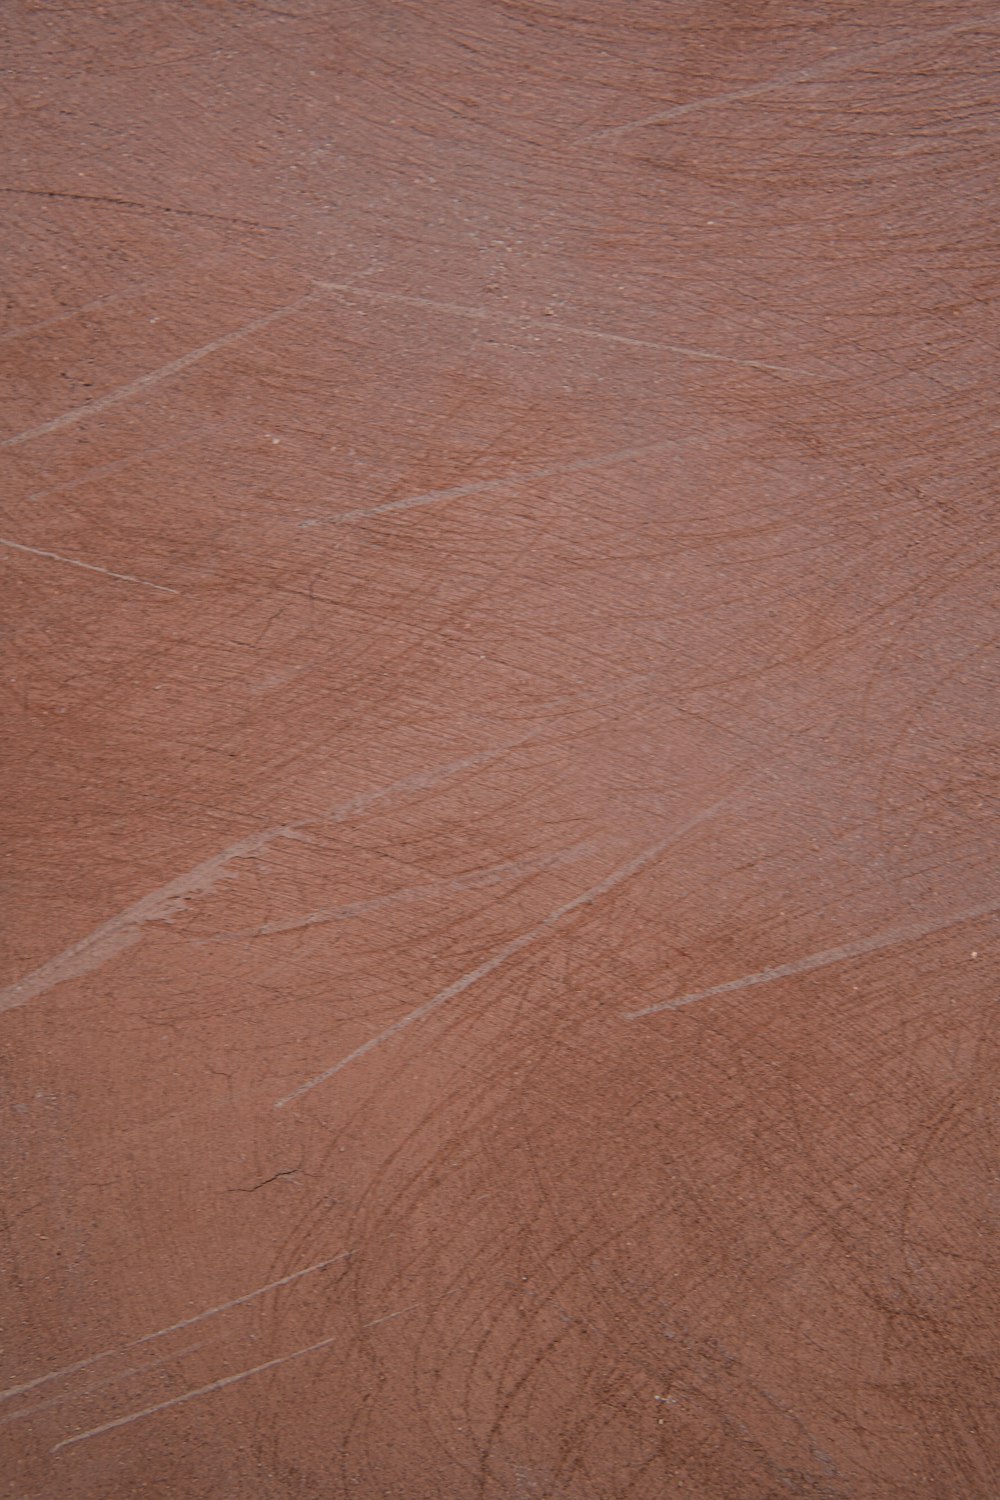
x=500, y=541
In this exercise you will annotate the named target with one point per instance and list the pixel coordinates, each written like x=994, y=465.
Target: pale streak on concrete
x=159, y=1333
x=507, y=952
x=28, y=330
x=388, y=1317
x=103, y=471
x=137, y=290
x=75, y=562
x=27, y=1412
x=202, y=1390
x=510, y=869
x=553, y=325
x=484, y=486
x=822, y=960
x=421, y=780
x=155, y=377
x=106, y=200
x=801, y=75
x=124, y=930
x=822, y=69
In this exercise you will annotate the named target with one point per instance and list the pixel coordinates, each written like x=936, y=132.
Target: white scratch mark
x=102, y=471
x=74, y=562
x=421, y=780
x=203, y=1390
x=507, y=952
x=124, y=930
x=822, y=69
x=388, y=1317
x=552, y=325
x=817, y=961
x=103, y=1385
x=145, y=382
x=137, y=290
x=484, y=486
x=711, y=101
x=27, y=330
x=510, y=869
x=159, y=1333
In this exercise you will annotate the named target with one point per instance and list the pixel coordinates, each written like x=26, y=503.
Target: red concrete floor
x=500, y=724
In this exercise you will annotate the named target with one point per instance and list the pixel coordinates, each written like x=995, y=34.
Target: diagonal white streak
x=507, y=952
x=826, y=66
x=485, y=486
x=202, y=1390
x=25, y=1413
x=551, y=325
x=154, y=377
x=122, y=931
x=75, y=562
x=821, y=960
x=159, y=1333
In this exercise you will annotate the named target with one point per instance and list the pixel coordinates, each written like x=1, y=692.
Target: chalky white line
x=821, y=960
x=202, y=1390
x=507, y=952
x=159, y=1333
x=75, y=562
x=154, y=377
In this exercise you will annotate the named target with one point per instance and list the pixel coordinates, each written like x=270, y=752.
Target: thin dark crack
x=286, y=1172
x=149, y=208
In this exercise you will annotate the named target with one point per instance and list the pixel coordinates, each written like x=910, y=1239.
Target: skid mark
x=388, y=1317
x=106, y=200
x=146, y=382
x=510, y=869
x=90, y=476
x=818, y=960
x=484, y=486
x=27, y=330
x=822, y=69
x=26, y=1412
x=202, y=1390
x=75, y=562
x=421, y=781
x=159, y=1333
x=136, y=290
x=122, y=931
x=507, y=952
x=552, y=325
x=125, y=929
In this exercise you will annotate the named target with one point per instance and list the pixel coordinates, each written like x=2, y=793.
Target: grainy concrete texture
x=500, y=547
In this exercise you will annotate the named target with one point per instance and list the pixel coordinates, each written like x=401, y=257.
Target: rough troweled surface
x=499, y=541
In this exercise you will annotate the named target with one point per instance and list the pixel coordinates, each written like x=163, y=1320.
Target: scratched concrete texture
x=500, y=750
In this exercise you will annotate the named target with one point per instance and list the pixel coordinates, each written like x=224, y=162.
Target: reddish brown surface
x=677, y=324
